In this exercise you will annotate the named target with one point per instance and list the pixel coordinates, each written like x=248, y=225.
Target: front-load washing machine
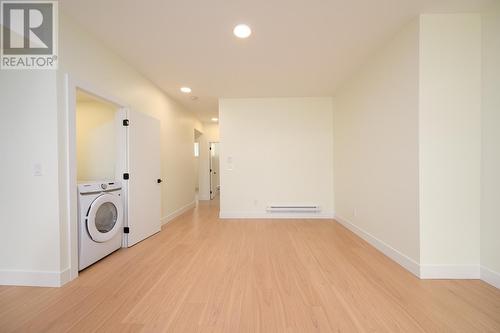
x=100, y=222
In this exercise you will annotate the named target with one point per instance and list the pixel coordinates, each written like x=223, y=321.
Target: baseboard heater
x=293, y=209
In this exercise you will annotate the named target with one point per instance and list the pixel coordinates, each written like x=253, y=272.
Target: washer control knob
x=104, y=186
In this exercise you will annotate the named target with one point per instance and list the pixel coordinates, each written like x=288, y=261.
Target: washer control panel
x=99, y=187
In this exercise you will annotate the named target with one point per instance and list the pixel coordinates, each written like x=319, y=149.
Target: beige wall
x=281, y=151
x=376, y=146
x=450, y=140
x=490, y=215
x=96, y=141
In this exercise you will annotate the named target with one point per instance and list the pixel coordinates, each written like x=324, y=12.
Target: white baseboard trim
x=34, y=278
x=449, y=272
x=491, y=277
x=178, y=212
x=274, y=215
x=66, y=276
x=406, y=262
x=421, y=271
x=203, y=197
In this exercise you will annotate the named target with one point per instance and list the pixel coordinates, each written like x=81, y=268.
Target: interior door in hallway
x=144, y=183
x=214, y=170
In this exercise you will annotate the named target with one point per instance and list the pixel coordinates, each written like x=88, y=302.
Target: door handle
x=159, y=180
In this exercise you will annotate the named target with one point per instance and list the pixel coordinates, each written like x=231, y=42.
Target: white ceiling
x=298, y=47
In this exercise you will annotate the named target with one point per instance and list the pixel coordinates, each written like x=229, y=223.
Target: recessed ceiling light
x=186, y=90
x=215, y=119
x=242, y=31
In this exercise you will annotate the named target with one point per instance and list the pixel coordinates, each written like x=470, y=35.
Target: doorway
x=97, y=143
x=83, y=103
x=132, y=156
x=214, y=170
x=196, y=154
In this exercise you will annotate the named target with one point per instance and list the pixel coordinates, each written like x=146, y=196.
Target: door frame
x=210, y=168
x=72, y=85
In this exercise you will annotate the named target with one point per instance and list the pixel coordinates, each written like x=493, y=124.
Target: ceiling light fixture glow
x=215, y=119
x=242, y=31
x=186, y=90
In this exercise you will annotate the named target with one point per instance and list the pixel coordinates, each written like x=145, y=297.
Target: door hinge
x=210, y=148
x=126, y=230
x=126, y=122
x=210, y=170
x=210, y=192
x=126, y=176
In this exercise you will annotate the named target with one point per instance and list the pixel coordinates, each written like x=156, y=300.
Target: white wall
x=35, y=241
x=87, y=60
x=282, y=153
x=210, y=134
x=29, y=222
x=376, y=147
x=490, y=215
x=450, y=142
x=408, y=147
x=96, y=141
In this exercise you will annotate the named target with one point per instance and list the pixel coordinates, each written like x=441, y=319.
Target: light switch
x=37, y=170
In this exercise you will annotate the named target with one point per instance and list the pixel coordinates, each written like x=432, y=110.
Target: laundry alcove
x=109, y=142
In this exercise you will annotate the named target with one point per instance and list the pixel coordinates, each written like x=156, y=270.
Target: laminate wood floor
x=202, y=274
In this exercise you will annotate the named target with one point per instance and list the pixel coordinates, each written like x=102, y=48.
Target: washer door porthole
x=105, y=216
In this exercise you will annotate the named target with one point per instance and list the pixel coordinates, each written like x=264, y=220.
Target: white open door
x=143, y=186
x=214, y=170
